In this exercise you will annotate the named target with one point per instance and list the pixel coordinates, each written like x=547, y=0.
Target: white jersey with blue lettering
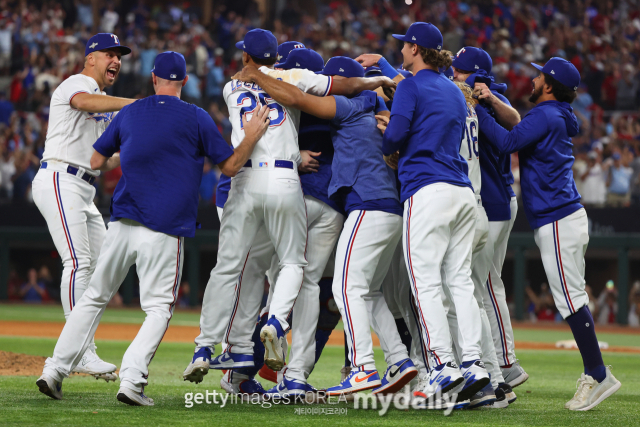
x=72, y=133
x=281, y=139
x=469, y=149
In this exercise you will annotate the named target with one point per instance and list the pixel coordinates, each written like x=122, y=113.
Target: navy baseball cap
x=561, y=70
x=259, y=43
x=423, y=34
x=343, y=66
x=303, y=58
x=372, y=71
x=285, y=48
x=102, y=41
x=170, y=66
x=448, y=73
x=472, y=59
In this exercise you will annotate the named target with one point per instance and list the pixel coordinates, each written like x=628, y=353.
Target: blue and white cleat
x=355, y=382
x=235, y=383
x=442, y=379
x=397, y=376
x=272, y=336
x=475, y=377
x=287, y=388
x=199, y=366
x=229, y=360
x=486, y=396
x=50, y=387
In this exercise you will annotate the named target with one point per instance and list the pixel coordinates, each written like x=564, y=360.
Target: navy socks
x=582, y=326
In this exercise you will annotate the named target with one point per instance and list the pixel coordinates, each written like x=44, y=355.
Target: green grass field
x=90, y=402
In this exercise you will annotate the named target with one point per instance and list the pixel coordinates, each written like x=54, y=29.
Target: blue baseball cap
x=423, y=34
x=472, y=59
x=170, y=66
x=303, y=58
x=285, y=48
x=372, y=71
x=259, y=43
x=561, y=70
x=343, y=66
x=448, y=73
x=102, y=41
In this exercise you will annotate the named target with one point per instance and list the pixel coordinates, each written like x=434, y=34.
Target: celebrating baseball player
x=151, y=214
x=552, y=205
x=267, y=194
x=473, y=66
x=63, y=187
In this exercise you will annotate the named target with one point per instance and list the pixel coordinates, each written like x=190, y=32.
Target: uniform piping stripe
x=414, y=312
x=563, y=282
x=345, y=275
x=413, y=281
x=496, y=309
x=174, y=292
x=235, y=303
x=329, y=86
x=67, y=234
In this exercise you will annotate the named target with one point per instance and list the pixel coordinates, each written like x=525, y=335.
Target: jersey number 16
x=250, y=102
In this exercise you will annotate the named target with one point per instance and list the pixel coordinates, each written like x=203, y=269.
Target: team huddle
x=364, y=193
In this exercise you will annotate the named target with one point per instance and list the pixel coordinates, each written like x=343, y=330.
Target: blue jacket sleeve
x=531, y=129
x=396, y=134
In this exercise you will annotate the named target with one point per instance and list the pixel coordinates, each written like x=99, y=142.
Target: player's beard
x=537, y=93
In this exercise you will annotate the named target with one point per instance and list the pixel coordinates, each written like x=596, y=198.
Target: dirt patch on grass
x=20, y=364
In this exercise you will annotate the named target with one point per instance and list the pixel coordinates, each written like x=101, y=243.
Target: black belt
x=288, y=164
x=74, y=171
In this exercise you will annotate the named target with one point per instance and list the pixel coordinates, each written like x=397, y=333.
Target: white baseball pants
x=76, y=226
x=363, y=256
x=563, y=244
x=439, y=225
x=158, y=258
x=495, y=297
x=481, y=259
x=270, y=198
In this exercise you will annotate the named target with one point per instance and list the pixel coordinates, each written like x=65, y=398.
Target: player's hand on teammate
x=258, y=125
x=368, y=59
x=309, y=163
x=247, y=74
x=482, y=92
x=383, y=121
x=392, y=160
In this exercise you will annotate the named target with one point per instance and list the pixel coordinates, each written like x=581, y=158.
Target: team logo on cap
x=173, y=76
x=439, y=47
x=553, y=72
x=115, y=38
x=266, y=55
x=413, y=38
x=460, y=51
x=341, y=70
x=92, y=45
x=477, y=68
x=298, y=46
x=297, y=65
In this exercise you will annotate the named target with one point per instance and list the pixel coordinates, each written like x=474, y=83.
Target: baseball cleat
x=355, y=382
x=344, y=372
x=441, y=380
x=199, y=366
x=268, y=374
x=91, y=364
x=286, y=388
x=232, y=361
x=475, y=378
x=235, y=383
x=397, y=376
x=272, y=336
x=484, y=397
x=133, y=398
x=50, y=387
x=590, y=392
x=504, y=393
x=514, y=375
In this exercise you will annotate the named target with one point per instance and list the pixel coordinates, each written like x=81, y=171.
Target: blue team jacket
x=543, y=140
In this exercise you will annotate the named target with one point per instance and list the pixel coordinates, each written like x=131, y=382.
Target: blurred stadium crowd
x=42, y=43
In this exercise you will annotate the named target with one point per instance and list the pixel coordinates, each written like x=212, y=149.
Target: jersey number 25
x=251, y=102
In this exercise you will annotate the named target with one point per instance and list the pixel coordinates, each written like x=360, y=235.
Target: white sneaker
x=421, y=384
x=235, y=383
x=91, y=364
x=50, y=387
x=590, y=393
x=133, y=398
x=273, y=347
x=514, y=375
x=441, y=381
x=344, y=372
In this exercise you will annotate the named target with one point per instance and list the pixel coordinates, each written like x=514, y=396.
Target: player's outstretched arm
x=253, y=131
x=104, y=163
x=506, y=115
x=99, y=103
x=355, y=85
x=531, y=129
x=289, y=95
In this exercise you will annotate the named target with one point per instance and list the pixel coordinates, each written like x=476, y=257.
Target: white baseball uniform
x=266, y=194
x=64, y=200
